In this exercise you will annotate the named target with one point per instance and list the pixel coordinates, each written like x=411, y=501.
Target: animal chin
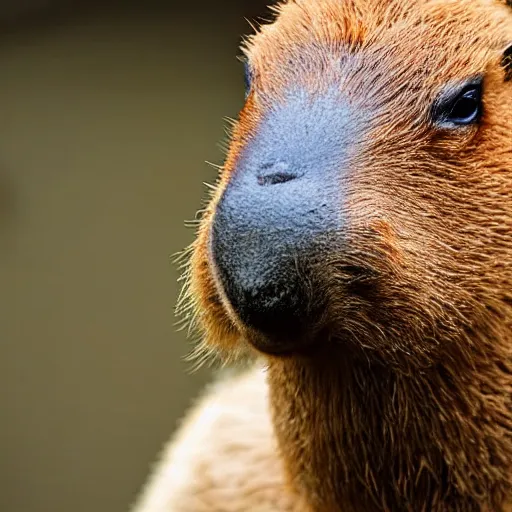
x=280, y=344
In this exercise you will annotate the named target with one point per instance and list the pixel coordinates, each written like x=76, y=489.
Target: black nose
x=274, y=220
x=271, y=228
x=263, y=238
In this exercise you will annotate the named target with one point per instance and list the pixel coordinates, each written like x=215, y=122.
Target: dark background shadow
x=108, y=111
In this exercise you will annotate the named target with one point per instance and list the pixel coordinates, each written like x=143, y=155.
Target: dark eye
x=460, y=105
x=466, y=109
x=506, y=62
x=247, y=78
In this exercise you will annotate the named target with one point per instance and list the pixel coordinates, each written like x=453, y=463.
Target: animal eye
x=247, y=78
x=466, y=109
x=506, y=62
x=460, y=105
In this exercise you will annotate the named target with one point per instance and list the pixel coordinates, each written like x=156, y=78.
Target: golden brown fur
x=406, y=406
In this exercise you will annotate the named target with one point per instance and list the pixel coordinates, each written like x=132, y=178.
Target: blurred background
x=108, y=111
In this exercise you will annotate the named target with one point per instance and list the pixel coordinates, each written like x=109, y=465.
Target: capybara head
x=366, y=199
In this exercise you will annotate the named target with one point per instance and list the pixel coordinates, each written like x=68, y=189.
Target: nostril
x=276, y=178
x=275, y=172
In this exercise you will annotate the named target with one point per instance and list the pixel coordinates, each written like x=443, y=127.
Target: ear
x=506, y=62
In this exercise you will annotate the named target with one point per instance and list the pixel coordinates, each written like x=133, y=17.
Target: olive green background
x=107, y=114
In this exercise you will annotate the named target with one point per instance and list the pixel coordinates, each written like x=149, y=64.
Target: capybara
x=359, y=243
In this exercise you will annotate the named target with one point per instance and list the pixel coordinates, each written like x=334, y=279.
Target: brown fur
x=406, y=405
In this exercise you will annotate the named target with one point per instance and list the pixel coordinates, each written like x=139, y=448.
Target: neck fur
x=360, y=436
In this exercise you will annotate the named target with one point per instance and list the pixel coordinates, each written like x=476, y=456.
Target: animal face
x=366, y=199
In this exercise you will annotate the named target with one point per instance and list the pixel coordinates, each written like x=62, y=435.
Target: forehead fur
x=450, y=38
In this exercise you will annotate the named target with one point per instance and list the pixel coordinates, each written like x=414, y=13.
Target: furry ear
x=506, y=62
